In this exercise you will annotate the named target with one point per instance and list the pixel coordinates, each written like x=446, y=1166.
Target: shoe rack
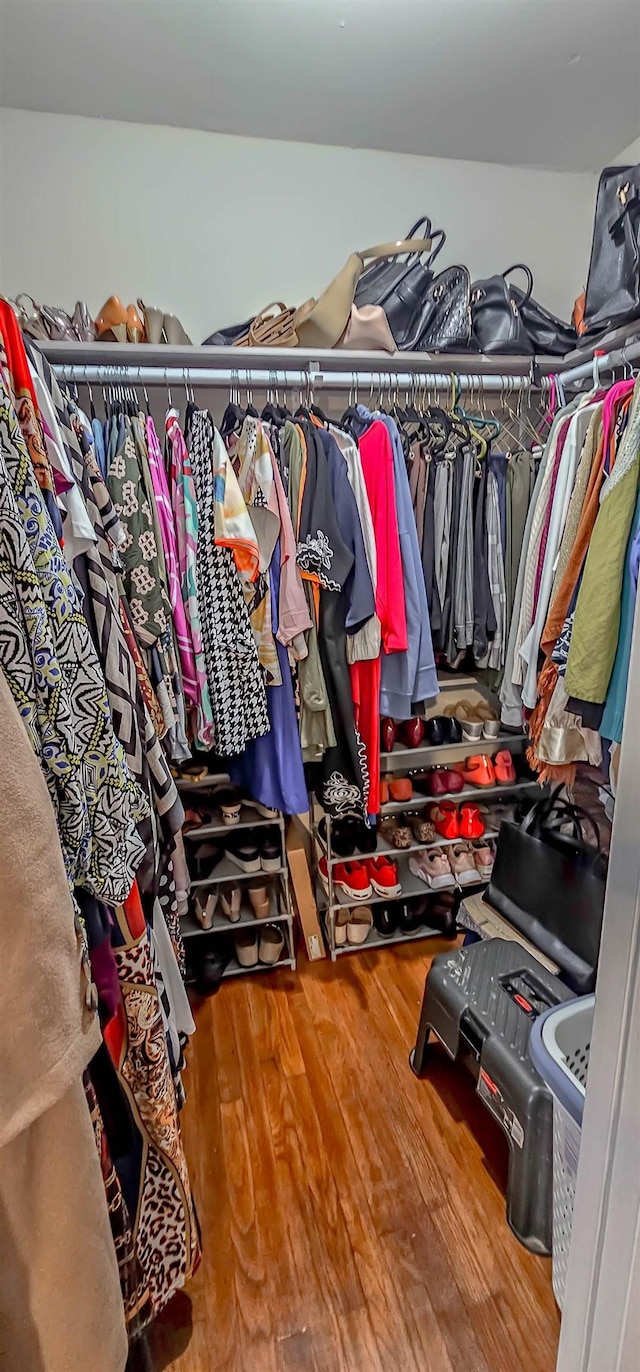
x=226, y=872
x=402, y=760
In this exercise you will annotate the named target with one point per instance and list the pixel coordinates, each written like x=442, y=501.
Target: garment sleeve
x=391, y=601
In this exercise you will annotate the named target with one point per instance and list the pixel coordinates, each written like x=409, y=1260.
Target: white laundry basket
x=560, y=1043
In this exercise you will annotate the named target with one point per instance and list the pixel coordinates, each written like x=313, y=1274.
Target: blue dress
x=270, y=768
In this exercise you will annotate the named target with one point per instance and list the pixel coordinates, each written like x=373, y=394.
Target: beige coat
x=60, y=1303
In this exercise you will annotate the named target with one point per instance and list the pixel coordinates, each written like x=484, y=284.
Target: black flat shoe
x=343, y=836
x=366, y=836
x=270, y=851
x=205, y=858
x=441, y=729
x=412, y=915
x=385, y=918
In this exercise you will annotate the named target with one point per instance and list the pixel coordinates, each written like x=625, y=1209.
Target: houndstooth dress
x=235, y=677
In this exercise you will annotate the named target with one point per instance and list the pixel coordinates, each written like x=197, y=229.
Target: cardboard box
x=299, y=859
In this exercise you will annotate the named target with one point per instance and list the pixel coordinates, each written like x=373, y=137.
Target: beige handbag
x=368, y=330
x=321, y=323
x=270, y=330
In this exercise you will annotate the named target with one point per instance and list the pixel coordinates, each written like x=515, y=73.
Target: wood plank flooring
x=352, y=1217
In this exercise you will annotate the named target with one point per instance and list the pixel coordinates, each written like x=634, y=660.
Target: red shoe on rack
x=383, y=876
x=480, y=771
x=353, y=878
x=504, y=768
x=471, y=821
x=445, y=819
x=388, y=734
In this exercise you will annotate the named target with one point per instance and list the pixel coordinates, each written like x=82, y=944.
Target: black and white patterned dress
x=235, y=677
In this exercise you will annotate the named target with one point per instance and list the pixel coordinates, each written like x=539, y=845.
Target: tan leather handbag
x=367, y=330
x=321, y=323
x=273, y=327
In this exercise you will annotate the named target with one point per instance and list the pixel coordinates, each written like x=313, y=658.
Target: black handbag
x=613, y=284
x=376, y=283
x=547, y=334
x=443, y=322
x=497, y=314
x=550, y=885
x=227, y=338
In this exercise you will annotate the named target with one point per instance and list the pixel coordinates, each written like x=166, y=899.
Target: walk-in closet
x=319, y=685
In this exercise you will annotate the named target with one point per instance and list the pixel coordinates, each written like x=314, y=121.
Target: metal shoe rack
x=404, y=760
x=226, y=873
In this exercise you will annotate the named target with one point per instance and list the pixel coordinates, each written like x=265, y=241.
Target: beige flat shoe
x=360, y=924
x=246, y=943
x=259, y=897
x=271, y=944
x=341, y=919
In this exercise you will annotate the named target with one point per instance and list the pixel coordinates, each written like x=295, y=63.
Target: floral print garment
x=57, y=682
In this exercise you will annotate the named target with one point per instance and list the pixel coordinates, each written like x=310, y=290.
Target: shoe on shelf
x=266, y=811
x=504, y=769
x=173, y=330
x=153, y=321
x=206, y=858
x=246, y=943
x=190, y=771
x=442, y=729
x=271, y=944
x=441, y=913
x=490, y=720
x=445, y=818
x=461, y=862
x=422, y=828
x=397, y=833
x=471, y=822
x=135, y=326
x=399, y=788
x=484, y=853
x=353, y=878
x=411, y=732
x=385, y=917
x=479, y=771
x=440, y=781
x=244, y=853
x=204, y=909
x=270, y=850
x=432, y=867
x=366, y=836
x=359, y=925
x=383, y=875
x=341, y=919
x=343, y=836
x=384, y=791
x=469, y=718
x=227, y=801
x=413, y=914
x=258, y=893
x=111, y=321
x=388, y=734
x=230, y=900
x=211, y=966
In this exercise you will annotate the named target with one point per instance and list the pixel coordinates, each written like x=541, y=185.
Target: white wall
x=213, y=227
x=629, y=156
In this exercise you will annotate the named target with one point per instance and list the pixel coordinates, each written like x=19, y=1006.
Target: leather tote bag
x=547, y=333
x=442, y=323
x=399, y=284
x=497, y=314
x=321, y=323
x=613, y=284
x=368, y=330
x=550, y=885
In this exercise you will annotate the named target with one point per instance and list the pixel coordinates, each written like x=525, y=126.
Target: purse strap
x=418, y=225
x=543, y=809
x=382, y=250
x=521, y=267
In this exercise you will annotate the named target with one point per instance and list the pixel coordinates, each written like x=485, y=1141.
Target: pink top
x=169, y=544
x=376, y=455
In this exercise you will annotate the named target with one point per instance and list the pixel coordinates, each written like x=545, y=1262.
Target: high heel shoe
x=135, y=326
x=173, y=331
x=111, y=321
x=153, y=321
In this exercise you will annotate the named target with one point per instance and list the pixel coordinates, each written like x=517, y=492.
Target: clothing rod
x=601, y=362
x=242, y=377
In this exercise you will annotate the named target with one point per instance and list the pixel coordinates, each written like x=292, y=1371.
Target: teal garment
x=613, y=714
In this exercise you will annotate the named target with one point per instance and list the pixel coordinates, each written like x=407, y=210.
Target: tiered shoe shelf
x=401, y=760
x=226, y=872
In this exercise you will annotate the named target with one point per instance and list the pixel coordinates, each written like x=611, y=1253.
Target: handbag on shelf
x=550, y=884
x=547, y=333
x=321, y=323
x=398, y=284
x=228, y=338
x=368, y=330
x=613, y=283
x=497, y=314
x=273, y=327
x=443, y=322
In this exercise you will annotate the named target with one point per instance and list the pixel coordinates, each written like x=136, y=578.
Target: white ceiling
x=545, y=83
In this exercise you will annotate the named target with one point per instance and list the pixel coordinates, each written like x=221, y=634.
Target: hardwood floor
x=352, y=1217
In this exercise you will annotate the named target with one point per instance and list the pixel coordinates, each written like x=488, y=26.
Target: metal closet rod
x=242, y=377
x=601, y=361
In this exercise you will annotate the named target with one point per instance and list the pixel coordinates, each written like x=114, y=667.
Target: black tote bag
x=550, y=885
x=613, y=284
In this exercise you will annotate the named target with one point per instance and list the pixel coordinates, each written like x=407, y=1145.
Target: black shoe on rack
x=244, y=852
x=205, y=858
x=211, y=966
x=386, y=917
